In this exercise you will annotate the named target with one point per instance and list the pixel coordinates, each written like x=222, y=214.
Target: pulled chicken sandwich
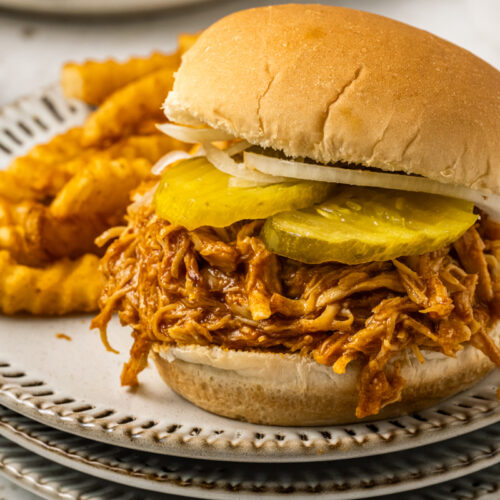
x=332, y=251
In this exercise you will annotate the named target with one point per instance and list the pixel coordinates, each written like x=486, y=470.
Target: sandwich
x=331, y=251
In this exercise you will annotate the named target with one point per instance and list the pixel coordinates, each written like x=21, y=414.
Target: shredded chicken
x=222, y=287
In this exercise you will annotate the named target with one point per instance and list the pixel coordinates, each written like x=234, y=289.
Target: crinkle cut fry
x=123, y=110
x=101, y=188
x=44, y=169
x=59, y=288
x=434, y=306
x=94, y=199
x=186, y=41
x=56, y=199
x=34, y=237
x=93, y=81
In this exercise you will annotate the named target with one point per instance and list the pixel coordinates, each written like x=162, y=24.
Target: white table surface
x=9, y=491
x=33, y=47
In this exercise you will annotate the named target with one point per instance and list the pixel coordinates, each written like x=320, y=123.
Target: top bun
x=335, y=84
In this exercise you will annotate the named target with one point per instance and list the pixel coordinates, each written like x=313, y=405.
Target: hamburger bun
x=335, y=84
x=332, y=84
x=294, y=390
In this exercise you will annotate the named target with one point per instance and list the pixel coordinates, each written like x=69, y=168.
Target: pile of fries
x=58, y=198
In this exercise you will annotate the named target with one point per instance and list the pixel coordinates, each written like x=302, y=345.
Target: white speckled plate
x=74, y=385
x=347, y=479
x=53, y=481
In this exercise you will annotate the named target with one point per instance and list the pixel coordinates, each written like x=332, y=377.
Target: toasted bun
x=335, y=84
x=290, y=389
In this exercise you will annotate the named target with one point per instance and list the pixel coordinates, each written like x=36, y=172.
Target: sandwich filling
x=222, y=286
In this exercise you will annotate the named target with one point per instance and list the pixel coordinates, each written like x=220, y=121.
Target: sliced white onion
x=222, y=161
x=490, y=203
x=237, y=148
x=243, y=183
x=146, y=198
x=168, y=159
x=193, y=135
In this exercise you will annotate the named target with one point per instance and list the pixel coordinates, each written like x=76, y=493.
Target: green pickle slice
x=358, y=224
x=194, y=193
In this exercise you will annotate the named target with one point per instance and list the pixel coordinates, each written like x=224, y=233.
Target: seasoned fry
x=72, y=237
x=60, y=288
x=150, y=147
x=59, y=197
x=93, y=81
x=88, y=204
x=43, y=170
x=147, y=127
x=37, y=176
x=15, y=188
x=101, y=188
x=15, y=235
x=34, y=237
x=186, y=41
x=121, y=112
x=60, y=148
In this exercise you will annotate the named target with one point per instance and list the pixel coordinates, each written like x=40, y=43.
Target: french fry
x=34, y=237
x=101, y=188
x=93, y=81
x=147, y=127
x=57, y=199
x=15, y=188
x=43, y=170
x=43, y=183
x=186, y=40
x=123, y=111
x=61, y=147
x=72, y=237
x=94, y=199
x=150, y=147
x=16, y=232
x=62, y=287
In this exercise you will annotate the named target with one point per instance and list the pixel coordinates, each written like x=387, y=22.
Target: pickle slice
x=194, y=193
x=358, y=224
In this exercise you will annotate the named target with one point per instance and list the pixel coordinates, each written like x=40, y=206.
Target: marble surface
x=33, y=47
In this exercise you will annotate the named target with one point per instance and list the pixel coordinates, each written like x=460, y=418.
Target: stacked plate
x=95, y=7
x=67, y=430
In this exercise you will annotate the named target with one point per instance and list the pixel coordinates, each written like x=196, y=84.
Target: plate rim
x=490, y=484
x=41, y=409
x=48, y=409
x=21, y=472
x=136, y=479
x=76, y=8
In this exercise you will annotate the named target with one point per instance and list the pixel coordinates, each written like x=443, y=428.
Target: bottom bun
x=291, y=389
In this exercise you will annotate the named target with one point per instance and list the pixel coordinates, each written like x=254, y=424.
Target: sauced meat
x=222, y=287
